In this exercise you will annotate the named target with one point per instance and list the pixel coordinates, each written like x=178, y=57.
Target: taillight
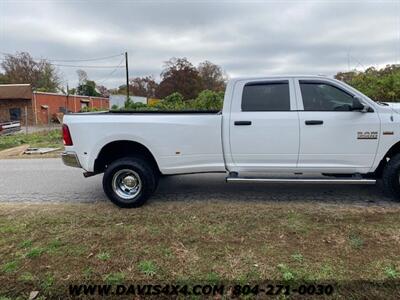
x=66, y=136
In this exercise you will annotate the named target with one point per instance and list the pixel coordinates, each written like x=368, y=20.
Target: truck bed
x=181, y=142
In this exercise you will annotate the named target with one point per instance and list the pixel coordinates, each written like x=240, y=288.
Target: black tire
x=390, y=177
x=137, y=168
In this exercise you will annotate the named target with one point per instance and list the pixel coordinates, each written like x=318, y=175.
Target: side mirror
x=359, y=106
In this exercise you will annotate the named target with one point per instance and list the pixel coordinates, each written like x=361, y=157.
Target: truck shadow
x=212, y=187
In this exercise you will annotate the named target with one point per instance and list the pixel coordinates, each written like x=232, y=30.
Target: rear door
x=332, y=136
x=263, y=126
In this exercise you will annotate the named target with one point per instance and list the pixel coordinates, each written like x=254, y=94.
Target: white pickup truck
x=306, y=129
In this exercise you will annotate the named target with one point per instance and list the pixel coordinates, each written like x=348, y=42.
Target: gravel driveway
x=48, y=180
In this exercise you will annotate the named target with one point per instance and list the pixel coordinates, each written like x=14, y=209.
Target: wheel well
x=395, y=149
x=120, y=149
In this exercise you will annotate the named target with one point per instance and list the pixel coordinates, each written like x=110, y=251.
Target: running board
x=302, y=180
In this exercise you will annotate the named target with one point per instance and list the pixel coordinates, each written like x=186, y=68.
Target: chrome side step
x=303, y=180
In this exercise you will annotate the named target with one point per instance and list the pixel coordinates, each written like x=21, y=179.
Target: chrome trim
x=127, y=184
x=70, y=159
x=302, y=180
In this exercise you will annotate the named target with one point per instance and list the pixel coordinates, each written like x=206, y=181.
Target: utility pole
x=127, y=75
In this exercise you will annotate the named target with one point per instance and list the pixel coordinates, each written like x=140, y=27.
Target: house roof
x=15, y=91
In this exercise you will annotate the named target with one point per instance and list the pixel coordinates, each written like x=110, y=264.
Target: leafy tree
x=209, y=100
x=22, y=68
x=172, y=102
x=179, y=75
x=212, y=76
x=88, y=88
x=382, y=84
x=120, y=90
x=142, y=86
x=130, y=105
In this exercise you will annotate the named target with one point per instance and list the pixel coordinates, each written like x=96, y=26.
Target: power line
x=80, y=66
x=71, y=60
x=77, y=66
x=104, y=79
x=89, y=59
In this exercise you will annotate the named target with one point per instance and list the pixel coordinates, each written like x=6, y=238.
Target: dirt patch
x=13, y=152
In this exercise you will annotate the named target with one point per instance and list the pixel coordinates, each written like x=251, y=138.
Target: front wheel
x=129, y=182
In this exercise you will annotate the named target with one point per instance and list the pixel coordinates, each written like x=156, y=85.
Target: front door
x=264, y=126
x=333, y=138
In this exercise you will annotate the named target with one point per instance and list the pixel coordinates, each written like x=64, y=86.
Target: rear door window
x=266, y=96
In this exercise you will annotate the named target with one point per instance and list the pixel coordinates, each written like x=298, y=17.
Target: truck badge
x=367, y=135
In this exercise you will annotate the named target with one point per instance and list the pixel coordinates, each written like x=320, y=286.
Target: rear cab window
x=266, y=96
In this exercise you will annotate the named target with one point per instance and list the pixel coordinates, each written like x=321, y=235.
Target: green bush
x=206, y=100
x=209, y=100
x=91, y=109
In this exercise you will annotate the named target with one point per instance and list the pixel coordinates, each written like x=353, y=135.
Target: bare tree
x=22, y=68
x=212, y=76
x=82, y=76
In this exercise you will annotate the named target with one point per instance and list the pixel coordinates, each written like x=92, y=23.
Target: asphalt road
x=48, y=180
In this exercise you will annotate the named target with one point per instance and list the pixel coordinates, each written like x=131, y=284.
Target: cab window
x=271, y=96
x=318, y=96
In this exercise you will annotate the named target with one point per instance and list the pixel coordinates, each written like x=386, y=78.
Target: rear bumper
x=70, y=159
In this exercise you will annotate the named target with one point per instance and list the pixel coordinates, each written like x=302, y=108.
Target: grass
x=391, y=272
x=10, y=266
x=38, y=139
x=103, y=256
x=147, y=267
x=114, y=278
x=297, y=257
x=48, y=247
x=356, y=241
x=35, y=252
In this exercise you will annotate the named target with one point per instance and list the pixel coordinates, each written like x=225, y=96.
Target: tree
x=209, y=100
x=179, y=75
x=382, y=84
x=212, y=76
x=3, y=79
x=143, y=86
x=22, y=68
x=87, y=89
x=103, y=91
x=82, y=76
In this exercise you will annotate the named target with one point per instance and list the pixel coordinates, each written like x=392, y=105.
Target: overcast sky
x=245, y=38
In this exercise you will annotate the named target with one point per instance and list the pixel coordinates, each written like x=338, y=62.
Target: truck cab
x=302, y=124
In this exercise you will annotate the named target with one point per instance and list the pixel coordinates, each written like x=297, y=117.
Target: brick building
x=49, y=104
x=19, y=103
x=16, y=103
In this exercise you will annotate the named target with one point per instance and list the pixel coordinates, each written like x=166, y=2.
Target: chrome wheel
x=126, y=184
